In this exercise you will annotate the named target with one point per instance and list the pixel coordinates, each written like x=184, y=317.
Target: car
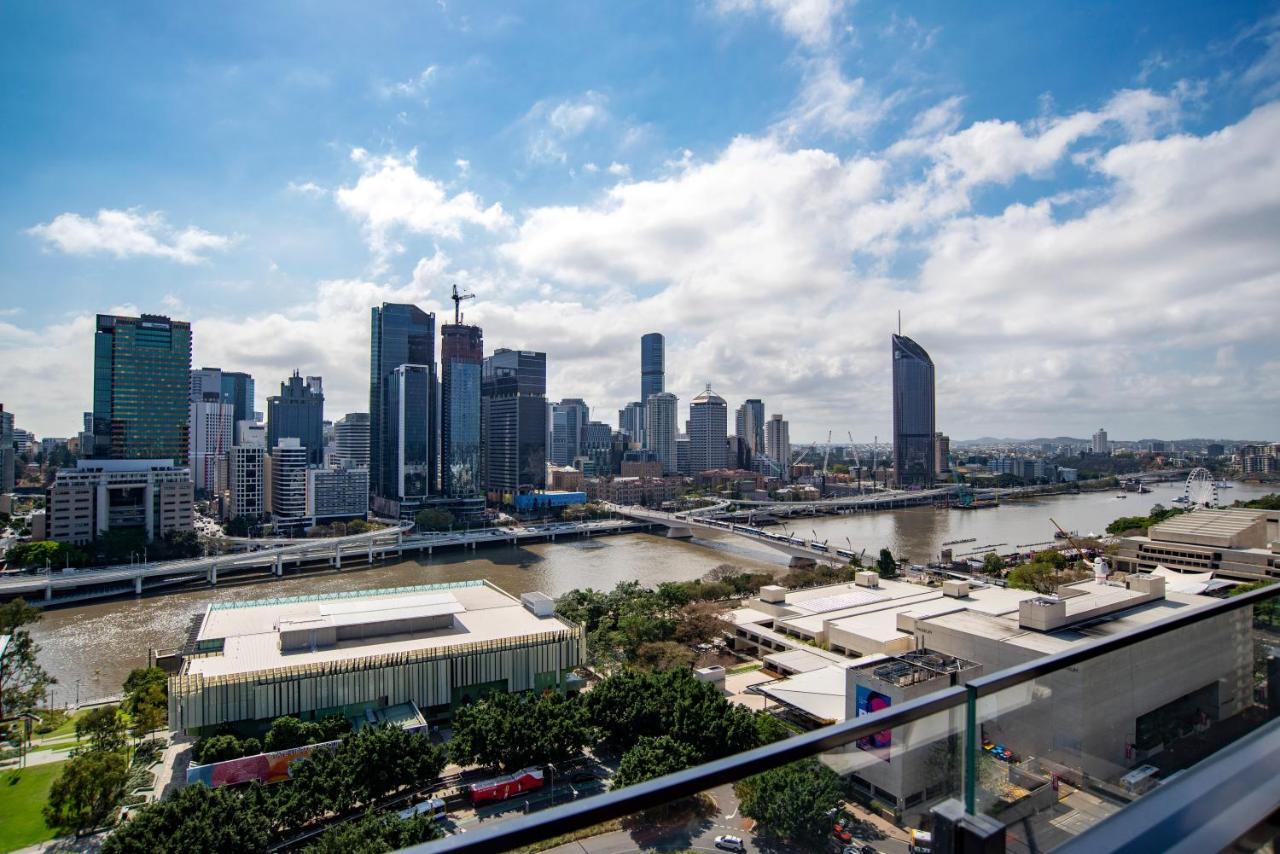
x=725, y=842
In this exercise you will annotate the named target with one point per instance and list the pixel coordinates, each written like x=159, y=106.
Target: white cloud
x=552, y=124
x=126, y=234
x=306, y=188
x=464, y=167
x=391, y=196
x=812, y=22
x=408, y=88
x=830, y=103
x=619, y=170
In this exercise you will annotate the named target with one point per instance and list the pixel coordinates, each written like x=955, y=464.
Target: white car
x=726, y=842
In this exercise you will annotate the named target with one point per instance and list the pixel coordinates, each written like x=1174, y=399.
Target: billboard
x=866, y=702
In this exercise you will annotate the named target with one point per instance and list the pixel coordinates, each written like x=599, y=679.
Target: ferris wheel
x=1201, y=490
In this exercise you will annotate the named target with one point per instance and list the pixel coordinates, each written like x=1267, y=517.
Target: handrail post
x=970, y=749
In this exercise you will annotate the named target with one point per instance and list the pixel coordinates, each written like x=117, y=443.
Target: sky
x=1075, y=207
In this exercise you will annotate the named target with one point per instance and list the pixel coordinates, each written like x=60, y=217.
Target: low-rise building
x=436, y=646
x=153, y=496
x=337, y=492
x=1231, y=542
x=649, y=491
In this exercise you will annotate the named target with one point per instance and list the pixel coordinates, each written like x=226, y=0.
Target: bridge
x=56, y=587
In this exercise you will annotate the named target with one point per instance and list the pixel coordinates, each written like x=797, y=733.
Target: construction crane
x=827, y=455
x=856, y=461
x=1100, y=564
x=457, y=303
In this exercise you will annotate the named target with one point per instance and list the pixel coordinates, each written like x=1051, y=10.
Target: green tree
x=792, y=801
x=36, y=554
x=518, y=730
x=375, y=834
x=886, y=565
x=992, y=564
x=146, y=700
x=652, y=757
x=22, y=680
x=87, y=791
x=218, y=748
x=106, y=727
x=434, y=520
x=386, y=758
x=228, y=820
x=1040, y=577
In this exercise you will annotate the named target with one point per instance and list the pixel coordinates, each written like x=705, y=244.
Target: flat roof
x=251, y=630
x=1222, y=524
x=799, y=660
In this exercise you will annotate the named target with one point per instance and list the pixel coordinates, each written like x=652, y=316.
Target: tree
x=106, y=727
x=218, y=748
x=87, y=791
x=434, y=520
x=146, y=699
x=792, y=801
x=886, y=565
x=992, y=564
x=374, y=834
x=652, y=757
x=518, y=730
x=22, y=680
x=385, y=758
x=285, y=732
x=36, y=554
x=1040, y=577
x=701, y=622
x=662, y=655
x=229, y=820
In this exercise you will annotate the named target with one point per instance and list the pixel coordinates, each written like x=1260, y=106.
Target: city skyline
x=1061, y=243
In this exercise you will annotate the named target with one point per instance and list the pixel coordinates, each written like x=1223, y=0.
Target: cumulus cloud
x=392, y=196
x=128, y=233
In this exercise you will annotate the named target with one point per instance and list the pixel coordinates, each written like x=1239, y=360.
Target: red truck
x=508, y=786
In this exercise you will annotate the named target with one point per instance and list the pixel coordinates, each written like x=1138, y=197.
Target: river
x=98, y=644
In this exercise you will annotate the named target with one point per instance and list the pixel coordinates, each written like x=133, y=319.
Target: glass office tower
x=141, y=388
x=652, y=364
x=461, y=360
x=913, y=414
x=298, y=413
x=399, y=335
x=237, y=390
x=514, y=423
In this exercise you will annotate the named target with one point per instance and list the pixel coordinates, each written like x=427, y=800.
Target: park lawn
x=68, y=727
x=23, y=794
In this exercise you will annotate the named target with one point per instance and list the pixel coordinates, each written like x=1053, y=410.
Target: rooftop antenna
x=899, y=321
x=457, y=303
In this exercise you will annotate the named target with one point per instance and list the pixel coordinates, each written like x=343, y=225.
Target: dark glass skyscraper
x=237, y=390
x=513, y=411
x=141, y=383
x=913, y=413
x=410, y=394
x=399, y=335
x=298, y=413
x=652, y=365
x=461, y=361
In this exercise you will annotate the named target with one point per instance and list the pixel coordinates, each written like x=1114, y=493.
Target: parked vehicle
x=508, y=786
x=726, y=842
x=433, y=807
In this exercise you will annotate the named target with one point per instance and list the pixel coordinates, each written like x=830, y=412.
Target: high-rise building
x=941, y=453
x=513, y=415
x=684, y=461
x=399, y=335
x=777, y=443
x=237, y=390
x=141, y=385
x=286, y=479
x=660, y=429
x=568, y=419
x=212, y=432
x=749, y=424
x=631, y=422
x=351, y=440
x=461, y=366
x=298, y=413
x=246, y=471
x=913, y=413
x=337, y=492
x=708, y=432
x=7, y=451
x=652, y=364
x=410, y=392
x=1100, y=443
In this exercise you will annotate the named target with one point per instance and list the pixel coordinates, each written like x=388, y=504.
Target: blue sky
x=1074, y=206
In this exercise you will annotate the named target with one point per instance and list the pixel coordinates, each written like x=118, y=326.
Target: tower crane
x=827, y=455
x=457, y=303
x=856, y=461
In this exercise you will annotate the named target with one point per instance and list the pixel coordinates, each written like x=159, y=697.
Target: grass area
x=746, y=668
x=68, y=726
x=585, y=833
x=23, y=794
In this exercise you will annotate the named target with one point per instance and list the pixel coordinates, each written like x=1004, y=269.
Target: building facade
x=913, y=414
x=399, y=335
x=708, y=432
x=631, y=421
x=652, y=365
x=212, y=426
x=286, y=480
x=410, y=391
x=461, y=366
x=351, y=440
x=246, y=479
x=7, y=452
x=777, y=443
x=238, y=390
x=660, y=429
x=298, y=413
x=1100, y=444
x=336, y=492
x=513, y=413
x=141, y=385
x=568, y=422
x=749, y=424
x=150, y=496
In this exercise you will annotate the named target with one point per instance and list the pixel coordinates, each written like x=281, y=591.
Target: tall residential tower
x=913, y=414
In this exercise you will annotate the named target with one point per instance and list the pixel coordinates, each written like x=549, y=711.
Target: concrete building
x=212, y=433
x=1258, y=459
x=141, y=386
x=351, y=440
x=568, y=423
x=1100, y=444
x=631, y=420
x=298, y=413
x=152, y=496
x=286, y=480
x=847, y=650
x=777, y=442
x=646, y=491
x=1233, y=543
x=513, y=418
x=708, y=432
x=246, y=481
x=337, y=492
x=913, y=414
x=749, y=424
x=7, y=451
x=660, y=429
x=941, y=453
x=437, y=646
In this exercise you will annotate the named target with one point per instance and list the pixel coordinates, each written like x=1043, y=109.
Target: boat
x=958, y=542
x=1122, y=495
x=1062, y=535
x=1222, y=484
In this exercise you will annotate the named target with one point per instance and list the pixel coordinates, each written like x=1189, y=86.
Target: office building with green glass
x=141, y=386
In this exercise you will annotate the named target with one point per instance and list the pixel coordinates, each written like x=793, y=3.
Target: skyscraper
x=777, y=443
x=141, y=386
x=631, y=422
x=513, y=414
x=652, y=365
x=749, y=424
x=6, y=450
x=568, y=421
x=298, y=413
x=287, y=478
x=237, y=390
x=1100, y=443
x=708, y=432
x=399, y=335
x=913, y=413
x=212, y=431
x=351, y=440
x=461, y=366
x=660, y=429
x=410, y=392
